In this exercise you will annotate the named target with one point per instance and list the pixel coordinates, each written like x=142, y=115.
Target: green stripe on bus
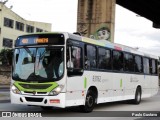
x=85, y=82
x=52, y=86
x=121, y=83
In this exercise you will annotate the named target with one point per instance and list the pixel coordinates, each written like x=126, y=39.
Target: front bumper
x=39, y=100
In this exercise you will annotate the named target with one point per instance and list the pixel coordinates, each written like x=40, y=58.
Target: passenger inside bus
x=52, y=64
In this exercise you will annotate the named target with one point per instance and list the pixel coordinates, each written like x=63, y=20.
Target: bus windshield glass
x=38, y=64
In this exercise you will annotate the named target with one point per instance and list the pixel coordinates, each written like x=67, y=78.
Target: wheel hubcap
x=90, y=101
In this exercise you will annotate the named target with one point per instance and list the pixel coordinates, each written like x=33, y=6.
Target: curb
x=4, y=87
x=5, y=101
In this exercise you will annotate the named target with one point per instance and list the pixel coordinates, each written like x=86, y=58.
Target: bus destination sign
x=36, y=41
x=40, y=39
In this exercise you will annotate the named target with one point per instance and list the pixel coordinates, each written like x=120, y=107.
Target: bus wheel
x=137, y=99
x=89, y=102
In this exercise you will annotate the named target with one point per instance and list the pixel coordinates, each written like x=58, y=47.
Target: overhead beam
x=145, y=8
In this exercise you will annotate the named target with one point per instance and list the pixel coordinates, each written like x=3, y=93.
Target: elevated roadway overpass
x=96, y=18
x=149, y=9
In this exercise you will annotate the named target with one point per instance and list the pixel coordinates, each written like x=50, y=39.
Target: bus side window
x=74, y=61
x=104, y=59
x=74, y=57
x=138, y=64
x=128, y=62
x=153, y=64
x=77, y=56
x=150, y=66
x=90, y=57
x=117, y=60
x=146, y=65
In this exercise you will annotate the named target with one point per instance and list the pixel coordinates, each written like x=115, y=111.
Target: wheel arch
x=139, y=87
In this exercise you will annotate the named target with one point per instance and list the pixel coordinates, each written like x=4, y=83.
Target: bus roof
x=116, y=46
x=103, y=43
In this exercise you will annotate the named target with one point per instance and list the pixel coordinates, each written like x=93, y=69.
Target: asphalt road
x=101, y=111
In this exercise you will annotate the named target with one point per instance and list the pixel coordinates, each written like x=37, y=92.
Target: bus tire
x=89, y=102
x=137, y=98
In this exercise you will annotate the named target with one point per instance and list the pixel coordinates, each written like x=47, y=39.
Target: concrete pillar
x=96, y=18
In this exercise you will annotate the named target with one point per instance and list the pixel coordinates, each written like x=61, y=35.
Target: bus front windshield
x=38, y=64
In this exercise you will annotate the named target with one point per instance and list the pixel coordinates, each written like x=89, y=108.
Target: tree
x=6, y=56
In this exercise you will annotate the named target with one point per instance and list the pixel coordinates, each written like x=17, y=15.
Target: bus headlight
x=15, y=90
x=57, y=90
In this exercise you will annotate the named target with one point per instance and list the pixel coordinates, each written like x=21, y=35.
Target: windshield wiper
x=16, y=77
x=32, y=76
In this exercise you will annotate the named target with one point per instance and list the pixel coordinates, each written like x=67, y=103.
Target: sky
x=130, y=29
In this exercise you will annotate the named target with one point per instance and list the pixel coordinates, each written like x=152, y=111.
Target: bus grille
x=37, y=92
x=30, y=99
x=35, y=86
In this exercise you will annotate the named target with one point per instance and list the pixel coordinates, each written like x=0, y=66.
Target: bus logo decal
x=34, y=92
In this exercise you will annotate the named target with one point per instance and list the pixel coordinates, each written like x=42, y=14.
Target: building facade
x=12, y=25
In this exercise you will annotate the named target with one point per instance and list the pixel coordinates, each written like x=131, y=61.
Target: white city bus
x=63, y=69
